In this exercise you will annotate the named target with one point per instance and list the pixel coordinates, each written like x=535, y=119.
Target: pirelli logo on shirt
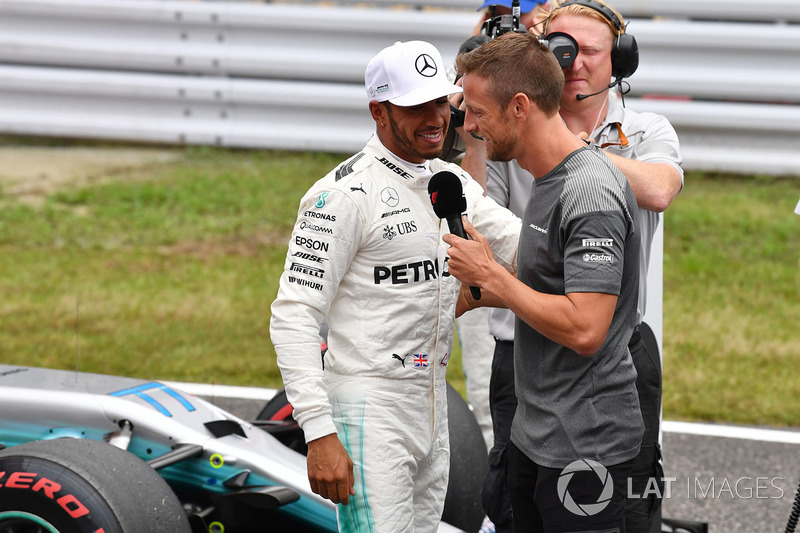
x=598, y=243
x=597, y=256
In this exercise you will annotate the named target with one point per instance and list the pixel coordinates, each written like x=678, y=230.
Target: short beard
x=502, y=151
x=407, y=143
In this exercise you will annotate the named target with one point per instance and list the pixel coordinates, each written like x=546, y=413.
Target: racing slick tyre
x=278, y=412
x=83, y=486
x=468, y=458
x=469, y=464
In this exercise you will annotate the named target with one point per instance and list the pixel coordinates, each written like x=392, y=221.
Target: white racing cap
x=407, y=74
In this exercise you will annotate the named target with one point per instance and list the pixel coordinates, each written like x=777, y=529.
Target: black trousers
x=590, y=500
x=502, y=404
x=643, y=515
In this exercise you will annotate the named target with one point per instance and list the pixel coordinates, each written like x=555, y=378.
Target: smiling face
x=591, y=71
x=486, y=118
x=416, y=133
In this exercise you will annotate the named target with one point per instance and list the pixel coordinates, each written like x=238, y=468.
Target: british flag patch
x=420, y=359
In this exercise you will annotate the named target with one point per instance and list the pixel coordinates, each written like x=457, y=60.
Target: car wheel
x=83, y=486
x=282, y=426
x=468, y=466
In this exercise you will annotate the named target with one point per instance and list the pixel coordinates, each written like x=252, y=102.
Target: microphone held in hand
x=447, y=198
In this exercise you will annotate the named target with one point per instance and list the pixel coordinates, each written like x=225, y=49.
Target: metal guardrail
x=290, y=75
x=729, y=10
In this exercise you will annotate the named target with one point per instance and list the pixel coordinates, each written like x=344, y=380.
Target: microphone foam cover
x=447, y=195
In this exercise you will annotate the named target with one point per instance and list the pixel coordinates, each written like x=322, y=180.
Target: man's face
x=417, y=132
x=486, y=118
x=591, y=71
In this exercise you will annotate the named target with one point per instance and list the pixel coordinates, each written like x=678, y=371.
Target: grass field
x=168, y=270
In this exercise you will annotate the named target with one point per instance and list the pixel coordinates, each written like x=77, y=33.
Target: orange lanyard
x=623, y=141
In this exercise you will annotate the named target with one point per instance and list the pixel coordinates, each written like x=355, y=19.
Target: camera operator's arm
x=655, y=185
x=653, y=169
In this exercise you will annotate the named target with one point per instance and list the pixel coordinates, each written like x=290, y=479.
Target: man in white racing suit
x=366, y=255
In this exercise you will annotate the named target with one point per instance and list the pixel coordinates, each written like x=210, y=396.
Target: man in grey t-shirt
x=574, y=295
x=645, y=147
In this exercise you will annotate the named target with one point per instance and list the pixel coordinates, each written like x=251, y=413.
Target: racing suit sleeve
x=324, y=241
x=500, y=226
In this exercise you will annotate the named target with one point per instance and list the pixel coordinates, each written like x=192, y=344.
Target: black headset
x=625, y=52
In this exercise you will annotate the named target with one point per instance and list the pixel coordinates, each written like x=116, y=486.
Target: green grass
x=732, y=301
x=165, y=272
x=168, y=272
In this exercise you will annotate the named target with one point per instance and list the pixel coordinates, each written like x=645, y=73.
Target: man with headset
x=644, y=146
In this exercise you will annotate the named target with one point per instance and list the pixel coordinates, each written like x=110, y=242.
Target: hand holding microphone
x=447, y=198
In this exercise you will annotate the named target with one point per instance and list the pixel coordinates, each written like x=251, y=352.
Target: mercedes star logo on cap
x=426, y=66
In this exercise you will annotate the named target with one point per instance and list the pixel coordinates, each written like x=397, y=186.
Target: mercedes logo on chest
x=426, y=66
x=389, y=196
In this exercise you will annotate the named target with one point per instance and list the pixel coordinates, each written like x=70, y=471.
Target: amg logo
x=309, y=257
x=412, y=272
x=598, y=258
x=602, y=243
x=305, y=269
x=305, y=283
x=396, y=212
x=317, y=214
x=394, y=168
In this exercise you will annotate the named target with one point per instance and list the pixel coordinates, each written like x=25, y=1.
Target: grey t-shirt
x=647, y=137
x=578, y=235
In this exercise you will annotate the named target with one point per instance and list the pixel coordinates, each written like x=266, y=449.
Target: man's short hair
x=517, y=63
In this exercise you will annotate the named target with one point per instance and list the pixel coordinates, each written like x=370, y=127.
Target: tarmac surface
x=736, y=479
x=733, y=484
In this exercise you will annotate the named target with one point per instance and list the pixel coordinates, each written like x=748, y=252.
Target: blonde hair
x=581, y=7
